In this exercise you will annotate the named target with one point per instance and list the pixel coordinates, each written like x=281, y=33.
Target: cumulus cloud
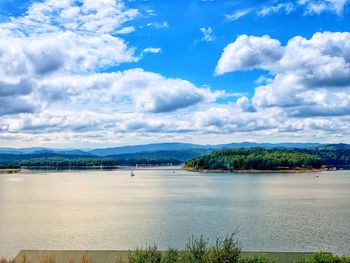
x=101, y=17
x=244, y=104
x=53, y=76
x=311, y=77
x=249, y=52
x=47, y=62
x=58, y=38
x=57, y=82
x=133, y=90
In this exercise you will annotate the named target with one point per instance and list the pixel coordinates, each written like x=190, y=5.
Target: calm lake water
x=111, y=210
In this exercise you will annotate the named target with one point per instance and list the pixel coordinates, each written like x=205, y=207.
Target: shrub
x=225, y=250
x=148, y=255
x=171, y=256
x=196, y=251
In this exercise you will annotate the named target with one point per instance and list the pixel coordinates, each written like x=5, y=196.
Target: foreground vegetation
x=198, y=250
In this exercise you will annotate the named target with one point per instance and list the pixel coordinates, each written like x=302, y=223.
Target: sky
x=89, y=74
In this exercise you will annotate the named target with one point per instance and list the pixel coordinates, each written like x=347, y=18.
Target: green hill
x=256, y=159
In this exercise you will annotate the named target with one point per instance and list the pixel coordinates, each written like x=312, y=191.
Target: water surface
x=111, y=210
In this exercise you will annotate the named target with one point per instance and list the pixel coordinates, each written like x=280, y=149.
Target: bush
x=225, y=250
x=148, y=255
x=171, y=256
x=196, y=251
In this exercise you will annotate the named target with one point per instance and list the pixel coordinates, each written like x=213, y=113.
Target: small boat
x=132, y=174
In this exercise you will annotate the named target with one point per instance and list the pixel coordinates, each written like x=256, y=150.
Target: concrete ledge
x=111, y=256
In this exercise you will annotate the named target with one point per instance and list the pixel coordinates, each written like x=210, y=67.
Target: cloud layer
x=61, y=81
x=55, y=77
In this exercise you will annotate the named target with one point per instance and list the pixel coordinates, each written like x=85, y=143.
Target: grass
x=322, y=257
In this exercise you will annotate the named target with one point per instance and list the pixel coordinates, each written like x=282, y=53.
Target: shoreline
x=254, y=171
x=10, y=169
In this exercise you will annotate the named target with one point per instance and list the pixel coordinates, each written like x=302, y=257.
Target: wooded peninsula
x=261, y=159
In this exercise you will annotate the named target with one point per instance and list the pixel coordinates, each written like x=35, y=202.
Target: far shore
x=9, y=169
x=255, y=171
x=12, y=170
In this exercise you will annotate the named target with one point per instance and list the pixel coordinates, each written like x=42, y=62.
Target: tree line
x=60, y=160
x=255, y=158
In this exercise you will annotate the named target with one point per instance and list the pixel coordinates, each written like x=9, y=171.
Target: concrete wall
x=114, y=256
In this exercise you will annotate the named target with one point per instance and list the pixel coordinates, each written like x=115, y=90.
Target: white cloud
x=53, y=80
x=208, y=34
x=126, y=30
x=161, y=25
x=309, y=7
x=55, y=86
x=140, y=90
x=238, y=14
x=152, y=50
x=321, y=6
x=249, y=52
x=311, y=77
x=244, y=104
x=286, y=7
x=103, y=16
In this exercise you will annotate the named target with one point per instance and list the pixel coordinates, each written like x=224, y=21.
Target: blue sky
x=81, y=73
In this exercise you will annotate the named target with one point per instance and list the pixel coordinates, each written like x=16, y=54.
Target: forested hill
x=254, y=158
x=272, y=159
x=51, y=159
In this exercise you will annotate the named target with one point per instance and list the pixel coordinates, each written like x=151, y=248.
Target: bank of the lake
x=192, y=169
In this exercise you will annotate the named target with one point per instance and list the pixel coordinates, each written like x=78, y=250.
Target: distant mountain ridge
x=154, y=147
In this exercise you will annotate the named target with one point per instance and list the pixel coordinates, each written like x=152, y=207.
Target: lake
x=95, y=209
